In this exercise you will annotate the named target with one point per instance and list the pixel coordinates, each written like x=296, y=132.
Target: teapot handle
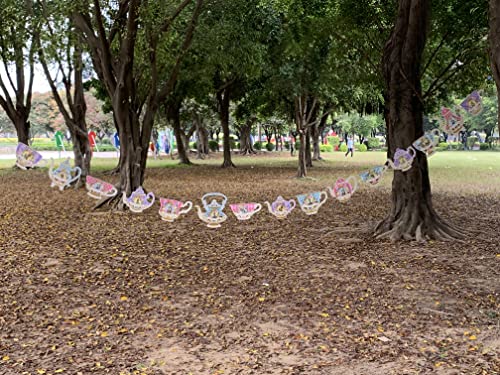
x=292, y=204
x=411, y=151
x=77, y=174
x=389, y=163
x=258, y=207
x=219, y=195
x=186, y=210
x=150, y=197
x=436, y=133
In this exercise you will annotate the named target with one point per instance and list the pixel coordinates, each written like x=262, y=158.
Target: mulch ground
x=85, y=292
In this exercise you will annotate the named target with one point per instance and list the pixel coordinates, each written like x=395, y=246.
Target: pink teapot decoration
x=171, y=209
x=138, y=200
x=344, y=188
x=403, y=159
x=244, y=211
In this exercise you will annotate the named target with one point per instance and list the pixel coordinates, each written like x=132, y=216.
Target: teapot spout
x=199, y=211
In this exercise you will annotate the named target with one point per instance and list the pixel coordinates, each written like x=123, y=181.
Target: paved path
x=68, y=154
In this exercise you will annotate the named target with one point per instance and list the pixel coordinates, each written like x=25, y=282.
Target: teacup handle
x=354, y=183
x=436, y=133
x=325, y=197
x=186, y=210
x=258, y=207
x=292, y=204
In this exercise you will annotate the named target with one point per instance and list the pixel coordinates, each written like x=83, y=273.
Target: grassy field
x=460, y=171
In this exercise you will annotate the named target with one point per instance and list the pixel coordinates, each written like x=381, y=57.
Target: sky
x=39, y=84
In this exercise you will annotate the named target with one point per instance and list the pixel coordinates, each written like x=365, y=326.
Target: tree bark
x=412, y=215
x=494, y=41
x=309, y=163
x=224, y=99
x=246, y=147
x=174, y=115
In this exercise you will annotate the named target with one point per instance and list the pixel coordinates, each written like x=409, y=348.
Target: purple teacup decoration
x=26, y=157
x=373, y=175
x=63, y=176
x=428, y=142
x=139, y=200
x=403, y=159
x=171, y=209
x=244, y=211
x=281, y=207
x=311, y=202
x=344, y=188
x=473, y=103
x=99, y=189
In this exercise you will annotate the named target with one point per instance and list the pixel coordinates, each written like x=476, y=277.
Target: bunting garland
x=451, y=122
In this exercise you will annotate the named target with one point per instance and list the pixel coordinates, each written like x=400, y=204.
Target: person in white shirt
x=350, y=147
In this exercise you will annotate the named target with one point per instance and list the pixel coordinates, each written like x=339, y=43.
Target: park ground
x=100, y=292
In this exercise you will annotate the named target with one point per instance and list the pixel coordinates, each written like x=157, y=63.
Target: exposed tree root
x=412, y=226
x=228, y=164
x=113, y=172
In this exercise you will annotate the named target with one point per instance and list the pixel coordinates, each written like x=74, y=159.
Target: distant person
x=350, y=147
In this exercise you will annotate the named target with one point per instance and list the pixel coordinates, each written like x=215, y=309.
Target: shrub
x=326, y=148
x=269, y=146
x=334, y=141
x=232, y=144
x=297, y=145
x=257, y=145
x=362, y=148
x=287, y=145
x=213, y=145
x=194, y=145
x=484, y=146
x=471, y=141
x=373, y=143
x=343, y=147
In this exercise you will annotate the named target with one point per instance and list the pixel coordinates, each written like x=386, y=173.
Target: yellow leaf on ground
x=472, y=337
x=5, y=358
x=104, y=334
x=123, y=298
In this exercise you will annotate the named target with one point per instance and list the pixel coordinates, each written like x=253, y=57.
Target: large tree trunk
x=175, y=116
x=412, y=215
x=494, y=39
x=246, y=147
x=302, y=170
x=316, y=140
x=22, y=126
x=223, y=98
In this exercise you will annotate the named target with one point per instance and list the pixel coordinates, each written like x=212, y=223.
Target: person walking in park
x=350, y=147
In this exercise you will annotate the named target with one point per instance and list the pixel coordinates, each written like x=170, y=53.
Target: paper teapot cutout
x=281, y=207
x=26, y=157
x=373, y=175
x=138, y=200
x=344, y=188
x=63, y=176
x=452, y=123
x=403, y=159
x=311, y=202
x=213, y=215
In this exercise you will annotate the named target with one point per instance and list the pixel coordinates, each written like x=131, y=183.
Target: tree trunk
x=174, y=116
x=246, y=147
x=223, y=98
x=302, y=170
x=494, y=39
x=412, y=215
x=316, y=140
x=308, y=155
x=22, y=126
